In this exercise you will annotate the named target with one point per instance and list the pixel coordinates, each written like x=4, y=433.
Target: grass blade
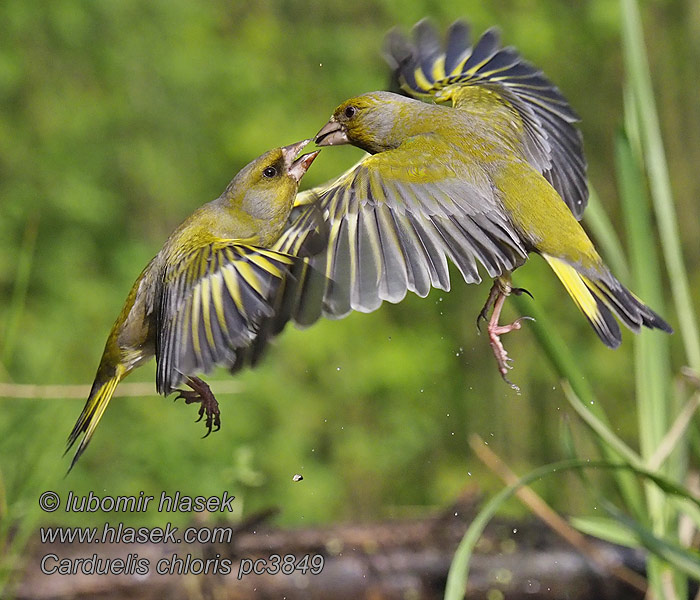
x=565, y=364
x=607, y=240
x=458, y=575
x=19, y=291
x=637, y=69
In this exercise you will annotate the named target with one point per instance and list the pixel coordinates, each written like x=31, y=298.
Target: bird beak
x=301, y=165
x=297, y=168
x=332, y=134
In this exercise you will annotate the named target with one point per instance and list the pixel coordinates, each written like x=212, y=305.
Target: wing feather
x=212, y=306
x=392, y=229
x=455, y=248
x=394, y=280
x=392, y=222
x=458, y=45
x=417, y=274
x=365, y=296
x=554, y=145
x=434, y=260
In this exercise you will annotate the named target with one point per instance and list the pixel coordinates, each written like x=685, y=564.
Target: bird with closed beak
x=488, y=171
x=202, y=298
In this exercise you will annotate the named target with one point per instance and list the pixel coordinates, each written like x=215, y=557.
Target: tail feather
x=100, y=395
x=591, y=306
x=631, y=310
x=599, y=295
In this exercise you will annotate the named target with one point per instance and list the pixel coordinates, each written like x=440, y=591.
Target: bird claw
x=208, y=404
x=480, y=317
x=213, y=422
x=188, y=396
x=511, y=384
x=502, y=359
x=488, y=305
x=520, y=292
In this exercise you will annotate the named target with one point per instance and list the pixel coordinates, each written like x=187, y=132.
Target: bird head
x=368, y=122
x=278, y=171
x=266, y=187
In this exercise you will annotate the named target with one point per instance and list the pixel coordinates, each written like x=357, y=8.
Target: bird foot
x=500, y=290
x=209, y=406
x=494, y=293
x=499, y=351
x=514, y=326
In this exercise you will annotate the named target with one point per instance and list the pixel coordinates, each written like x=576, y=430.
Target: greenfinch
x=489, y=171
x=202, y=298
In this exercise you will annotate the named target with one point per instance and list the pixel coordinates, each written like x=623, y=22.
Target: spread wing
x=299, y=296
x=211, y=307
x=554, y=146
x=393, y=221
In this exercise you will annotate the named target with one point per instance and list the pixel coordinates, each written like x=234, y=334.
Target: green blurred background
x=117, y=119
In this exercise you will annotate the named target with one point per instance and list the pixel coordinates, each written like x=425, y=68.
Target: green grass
x=645, y=516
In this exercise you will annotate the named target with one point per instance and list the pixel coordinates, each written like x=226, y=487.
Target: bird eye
x=269, y=172
x=350, y=112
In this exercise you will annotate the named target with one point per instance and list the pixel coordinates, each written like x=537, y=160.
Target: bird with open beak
x=201, y=299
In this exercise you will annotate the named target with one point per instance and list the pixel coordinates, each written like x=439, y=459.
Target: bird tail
x=598, y=295
x=100, y=395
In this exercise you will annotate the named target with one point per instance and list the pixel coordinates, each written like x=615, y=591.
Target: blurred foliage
x=119, y=118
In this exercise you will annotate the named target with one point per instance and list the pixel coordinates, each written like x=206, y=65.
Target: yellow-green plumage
x=201, y=300
x=495, y=174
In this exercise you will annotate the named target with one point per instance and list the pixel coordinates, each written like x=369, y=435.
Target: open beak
x=297, y=168
x=331, y=134
x=301, y=165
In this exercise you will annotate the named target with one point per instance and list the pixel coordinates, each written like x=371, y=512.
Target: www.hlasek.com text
x=118, y=533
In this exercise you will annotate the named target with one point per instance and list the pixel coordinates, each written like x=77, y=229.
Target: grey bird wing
x=393, y=221
x=423, y=69
x=211, y=307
